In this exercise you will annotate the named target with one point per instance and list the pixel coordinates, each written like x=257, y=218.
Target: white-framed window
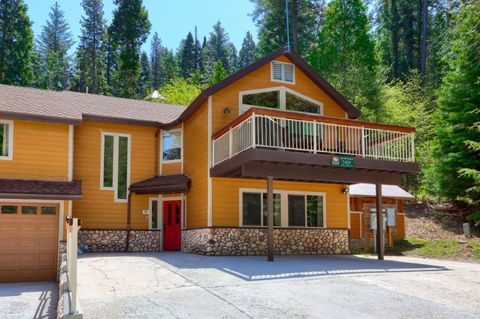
x=290, y=208
x=281, y=98
x=6, y=140
x=155, y=218
x=115, y=164
x=172, y=146
x=283, y=72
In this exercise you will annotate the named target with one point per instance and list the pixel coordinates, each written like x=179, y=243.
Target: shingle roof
x=162, y=184
x=72, y=107
x=18, y=188
x=368, y=190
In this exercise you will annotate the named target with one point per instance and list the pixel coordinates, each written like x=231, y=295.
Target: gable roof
x=72, y=107
x=351, y=110
x=390, y=191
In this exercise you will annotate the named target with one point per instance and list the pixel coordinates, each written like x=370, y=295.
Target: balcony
x=263, y=135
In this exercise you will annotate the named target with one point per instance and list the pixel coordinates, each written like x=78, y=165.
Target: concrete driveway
x=29, y=300
x=177, y=285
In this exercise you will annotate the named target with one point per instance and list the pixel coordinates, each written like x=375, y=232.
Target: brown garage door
x=28, y=241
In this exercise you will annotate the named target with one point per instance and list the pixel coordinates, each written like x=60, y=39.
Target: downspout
x=156, y=150
x=129, y=206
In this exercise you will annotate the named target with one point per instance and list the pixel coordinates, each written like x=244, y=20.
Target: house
x=362, y=210
x=272, y=139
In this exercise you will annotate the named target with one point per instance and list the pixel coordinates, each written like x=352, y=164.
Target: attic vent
x=284, y=72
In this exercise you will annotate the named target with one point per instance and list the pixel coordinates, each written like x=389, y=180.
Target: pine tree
x=219, y=74
x=157, y=53
x=218, y=48
x=456, y=118
x=248, y=51
x=344, y=55
x=269, y=15
x=54, y=43
x=91, y=52
x=111, y=65
x=129, y=30
x=187, y=56
x=145, y=80
x=16, y=43
x=197, y=52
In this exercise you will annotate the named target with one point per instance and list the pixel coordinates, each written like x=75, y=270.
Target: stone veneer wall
x=236, y=241
x=113, y=240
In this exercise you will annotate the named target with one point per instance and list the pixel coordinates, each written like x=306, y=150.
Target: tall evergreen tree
x=145, y=79
x=187, y=56
x=219, y=74
x=91, y=52
x=344, y=55
x=197, y=52
x=54, y=43
x=457, y=114
x=248, y=51
x=16, y=43
x=111, y=65
x=157, y=61
x=129, y=30
x=269, y=15
x=218, y=47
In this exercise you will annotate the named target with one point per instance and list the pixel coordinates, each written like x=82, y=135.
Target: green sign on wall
x=343, y=161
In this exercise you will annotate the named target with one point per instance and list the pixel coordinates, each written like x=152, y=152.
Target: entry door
x=172, y=221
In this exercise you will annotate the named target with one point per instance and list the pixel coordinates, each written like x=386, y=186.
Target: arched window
x=281, y=98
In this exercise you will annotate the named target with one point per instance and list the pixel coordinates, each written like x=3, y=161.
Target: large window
x=6, y=139
x=305, y=210
x=115, y=164
x=279, y=98
x=254, y=209
x=172, y=145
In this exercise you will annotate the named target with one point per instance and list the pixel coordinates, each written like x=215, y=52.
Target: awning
x=389, y=191
x=35, y=189
x=177, y=183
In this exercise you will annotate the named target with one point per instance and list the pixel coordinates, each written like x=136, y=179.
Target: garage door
x=28, y=241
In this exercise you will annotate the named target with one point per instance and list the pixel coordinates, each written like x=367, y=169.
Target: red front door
x=172, y=221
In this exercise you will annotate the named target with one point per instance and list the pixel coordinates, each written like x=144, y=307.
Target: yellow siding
x=226, y=199
x=171, y=168
x=97, y=208
x=40, y=151
x=261, y=78
x=196, y=166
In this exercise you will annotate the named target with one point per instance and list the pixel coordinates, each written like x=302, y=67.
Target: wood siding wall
x=226, y=199
x=40, y=151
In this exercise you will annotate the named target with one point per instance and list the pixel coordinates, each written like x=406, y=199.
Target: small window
x=49, y=210
x=29, y=210
x=122, y=182
x=9, y=209
x=284, y=72
x=108, y=161
x=115, y=163
x=296, y=210
x=6, y=139
x=265, y=99
x=154, y=216
x=172, y=146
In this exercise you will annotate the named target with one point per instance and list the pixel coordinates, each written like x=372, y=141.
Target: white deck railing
x=275, y=132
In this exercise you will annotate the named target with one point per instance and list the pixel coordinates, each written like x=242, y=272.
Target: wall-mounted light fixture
x=345, y=190
x=226, y=110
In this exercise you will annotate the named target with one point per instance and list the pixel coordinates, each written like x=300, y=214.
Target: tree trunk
x=423, y=43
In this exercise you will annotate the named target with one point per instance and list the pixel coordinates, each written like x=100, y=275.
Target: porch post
x=380, y=237
x=270, y=218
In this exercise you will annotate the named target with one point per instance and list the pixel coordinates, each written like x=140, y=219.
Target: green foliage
x=475, y=218
x=145, y=79
x=220, y=73
x=16, y=43
x=129, y=30
x=344, y=55
x=91, y=52
x=178, y=92
x=54, y=43
x=248, y=52
x=457, y=113
x=219, y=47
x=187, y=56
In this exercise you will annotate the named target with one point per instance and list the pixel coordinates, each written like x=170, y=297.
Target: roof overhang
x=165, y=184
x=37, y=189
x=307, y=167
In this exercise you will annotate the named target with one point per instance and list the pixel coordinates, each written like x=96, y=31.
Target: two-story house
x=272, y=139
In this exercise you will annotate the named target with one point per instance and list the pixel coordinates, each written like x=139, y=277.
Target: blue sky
x=172, y=19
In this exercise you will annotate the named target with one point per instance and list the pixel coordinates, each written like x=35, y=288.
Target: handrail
x=310, y=117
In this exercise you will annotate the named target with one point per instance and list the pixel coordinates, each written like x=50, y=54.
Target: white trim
x=242, y=108
x=283, y=205
x=283, y=72
x=150, y=208
x=181, y=151
x=180, y=160
x=70, y=152
x=114, y=187
x=209, y=160
x=9, y=157
x=160, y=212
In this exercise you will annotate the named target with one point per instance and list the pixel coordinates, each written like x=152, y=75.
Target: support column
x=380, y=238
x=270, y=218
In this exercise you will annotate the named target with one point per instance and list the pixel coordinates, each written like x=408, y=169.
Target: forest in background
x=406, y=62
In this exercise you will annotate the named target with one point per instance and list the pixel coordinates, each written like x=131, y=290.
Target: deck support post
x=380, y=236
x=270, y=218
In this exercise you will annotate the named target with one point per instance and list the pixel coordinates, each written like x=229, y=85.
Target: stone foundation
x=243, y=241
x=113, y=240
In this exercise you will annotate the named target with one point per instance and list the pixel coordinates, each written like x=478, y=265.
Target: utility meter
x=373, y=219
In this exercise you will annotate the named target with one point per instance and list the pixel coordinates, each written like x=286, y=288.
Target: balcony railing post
x=230, y=143
x=315, y=137
x=253, y=131
x=413, y=146
x=363, y=142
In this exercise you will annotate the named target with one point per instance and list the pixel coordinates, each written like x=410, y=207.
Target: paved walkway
x=28, y=300
x=177, y=285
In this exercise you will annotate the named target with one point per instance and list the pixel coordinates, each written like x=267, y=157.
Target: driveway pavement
x=177, y=285
x=28, y=300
